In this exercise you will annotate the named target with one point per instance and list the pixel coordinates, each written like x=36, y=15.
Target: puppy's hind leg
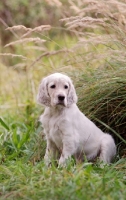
x=107, y=148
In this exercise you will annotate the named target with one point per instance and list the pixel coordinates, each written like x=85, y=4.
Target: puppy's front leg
x=68, y=150
x=51, y=152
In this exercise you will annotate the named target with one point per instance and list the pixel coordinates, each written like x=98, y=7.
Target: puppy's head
x=56, y=89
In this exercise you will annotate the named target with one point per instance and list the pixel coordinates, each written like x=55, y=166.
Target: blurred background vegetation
x=85, y=39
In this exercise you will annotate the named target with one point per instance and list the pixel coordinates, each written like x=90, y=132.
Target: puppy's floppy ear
x=72, y=97
x=43, y=96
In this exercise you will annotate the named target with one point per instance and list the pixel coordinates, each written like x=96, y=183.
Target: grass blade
x=108, y=127
x=4, y=124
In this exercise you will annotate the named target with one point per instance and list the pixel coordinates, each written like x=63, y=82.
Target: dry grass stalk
x=18, y=28
x=93, y=5
x=84, y=22
x=113, y=9
x=42, y=28
x=50, y=54
x=37, y=29
x=104, y=27
x=67, y=19
x=82, y=25
x=87, y=20
x=13, y=55
x=98, y=39
x=26, y=40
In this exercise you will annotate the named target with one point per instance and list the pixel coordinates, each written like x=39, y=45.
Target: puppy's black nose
x=61, y=97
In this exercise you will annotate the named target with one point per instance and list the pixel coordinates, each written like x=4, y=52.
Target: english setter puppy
x=68, y=131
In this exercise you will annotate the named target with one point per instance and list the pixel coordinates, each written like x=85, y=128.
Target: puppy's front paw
x=47, y=161
x=62, y=162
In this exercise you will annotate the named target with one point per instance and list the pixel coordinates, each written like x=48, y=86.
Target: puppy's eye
x=52, y=86
x=66, y=87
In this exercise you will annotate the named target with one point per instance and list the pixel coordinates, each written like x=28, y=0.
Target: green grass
x=19, y=180
x=23, y=174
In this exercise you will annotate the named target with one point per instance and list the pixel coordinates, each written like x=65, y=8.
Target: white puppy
x=68, y=131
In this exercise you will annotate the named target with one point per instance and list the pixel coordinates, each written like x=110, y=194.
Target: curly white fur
x=68, y=131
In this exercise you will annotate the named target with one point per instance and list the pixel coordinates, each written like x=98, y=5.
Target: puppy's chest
x=55, y=132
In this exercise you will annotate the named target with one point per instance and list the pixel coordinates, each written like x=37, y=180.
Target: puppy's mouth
x=61, y=103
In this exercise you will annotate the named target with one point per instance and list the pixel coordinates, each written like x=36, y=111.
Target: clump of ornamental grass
x=102, y=96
